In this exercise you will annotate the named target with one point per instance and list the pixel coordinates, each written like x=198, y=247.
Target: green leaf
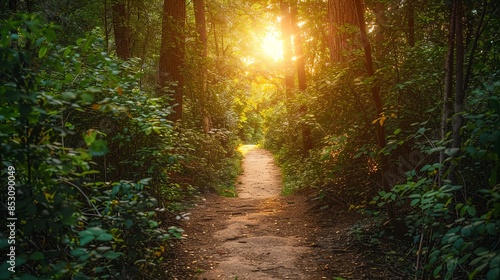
x=104, y=237
x=85, y=233
x=68, y=95
x=66, y=52
x=78, y=252
x=471, y=211
x=451, y=152
x=153, y=224
x=39, y=41
x=129, y=223
x=495, y=262
x=425, y=168
x=115, y=190
x=112, y=255
x=437, y=270
x=493, y=274
x=103, y=248
x=481, y=251
x=87, y=97
x=68, y=78
x=145, y=181
x=90, y=137
x=491, y=229
x=86, y=240
x=464, y=258
x=98, y=148
x=42, y=51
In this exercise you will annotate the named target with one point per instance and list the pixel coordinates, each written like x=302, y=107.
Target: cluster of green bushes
x=94, y=157
x=344, y=144
x=454, y=226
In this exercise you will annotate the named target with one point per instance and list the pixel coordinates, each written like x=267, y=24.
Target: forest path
x=250, y=238
x=263, y=235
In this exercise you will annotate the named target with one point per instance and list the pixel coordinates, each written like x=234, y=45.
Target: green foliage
x=343, y=140
x=457, y=235
x=68, y=223
x=212, y=161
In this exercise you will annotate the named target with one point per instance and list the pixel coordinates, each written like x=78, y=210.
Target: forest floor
x=261, y=234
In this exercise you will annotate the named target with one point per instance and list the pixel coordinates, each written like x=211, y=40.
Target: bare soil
x=263, y=235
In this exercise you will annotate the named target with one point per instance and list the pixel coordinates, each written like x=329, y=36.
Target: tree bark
x=375, y=90
x=121, y=29
x=448, y=89
x=286, y=37
x=458, y=119
x=172, y=52
x=379, y=31
x=341, y=18
x=106, y=27
x=300, y=61
x=201, y=28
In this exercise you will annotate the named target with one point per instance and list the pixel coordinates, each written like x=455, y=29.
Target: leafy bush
x=70, y=223
x=457, y=233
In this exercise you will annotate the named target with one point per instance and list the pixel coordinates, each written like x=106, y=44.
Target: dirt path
x=263, y=235
x=247, y=236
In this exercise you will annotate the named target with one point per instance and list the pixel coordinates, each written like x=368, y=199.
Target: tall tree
x=448, y=86
x=286, y=37
x=341, y=18
x=121, y=28
x=172, y=51
x=379, y=107
x=458, y=119
x=201, y=28
x=379, y=30
x=301, y=75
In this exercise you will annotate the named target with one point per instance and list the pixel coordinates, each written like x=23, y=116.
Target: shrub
x=70, y=221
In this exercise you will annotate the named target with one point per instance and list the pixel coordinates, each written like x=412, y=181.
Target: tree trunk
x=375, y=90
x=341, y=20
x=379, y=31
x=201, y=28
x=121, y=29
x=286, y=37
x=105, y=24
x=458, y=119
x=448, y=89
x=301, y=75
x=172, y=52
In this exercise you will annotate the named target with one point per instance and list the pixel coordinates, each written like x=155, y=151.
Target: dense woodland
x=114, y=114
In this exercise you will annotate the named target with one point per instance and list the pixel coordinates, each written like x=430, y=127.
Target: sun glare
x=271, y=44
